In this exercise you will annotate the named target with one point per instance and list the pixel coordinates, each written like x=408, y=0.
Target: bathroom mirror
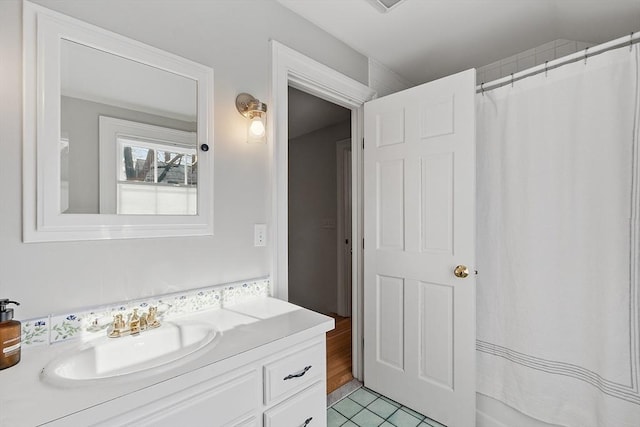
x=148, y=169
x=117, y=135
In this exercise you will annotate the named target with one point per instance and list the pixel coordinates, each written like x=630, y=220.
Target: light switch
x=259, y=235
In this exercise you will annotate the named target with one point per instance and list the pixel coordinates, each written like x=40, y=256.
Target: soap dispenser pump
x=10, y=336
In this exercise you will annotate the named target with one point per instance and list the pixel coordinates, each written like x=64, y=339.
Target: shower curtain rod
x=549, y=65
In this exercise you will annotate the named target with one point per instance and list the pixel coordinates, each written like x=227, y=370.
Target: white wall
x=313, y=210
x=385, y=81
x=528, y=59
x=54, y=277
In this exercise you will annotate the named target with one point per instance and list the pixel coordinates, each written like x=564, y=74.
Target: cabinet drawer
x=305, y=409
x=293, y=372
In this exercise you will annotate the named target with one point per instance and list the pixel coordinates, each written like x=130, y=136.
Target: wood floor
x=339, y=354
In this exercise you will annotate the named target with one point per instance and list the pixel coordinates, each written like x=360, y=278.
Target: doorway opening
x=293, y=69
x=319, y=226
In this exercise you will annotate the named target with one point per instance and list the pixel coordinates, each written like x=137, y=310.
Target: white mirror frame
x=42, y=221
x=43, y=30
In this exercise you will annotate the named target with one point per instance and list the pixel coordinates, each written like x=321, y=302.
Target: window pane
x=171, y=167
x=137, y=164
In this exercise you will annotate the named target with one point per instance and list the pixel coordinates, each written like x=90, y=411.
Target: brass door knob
x=461, y=271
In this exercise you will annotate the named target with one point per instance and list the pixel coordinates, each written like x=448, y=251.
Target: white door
x=419, y=338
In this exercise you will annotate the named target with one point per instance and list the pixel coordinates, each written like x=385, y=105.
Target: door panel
x=390, y=183
x=419, y=224
x=390, y=127
x=437, y=202
x=436, y=333
x=391, y=322
x=436, y=117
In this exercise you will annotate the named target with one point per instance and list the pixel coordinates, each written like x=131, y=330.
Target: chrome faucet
x=137, y=323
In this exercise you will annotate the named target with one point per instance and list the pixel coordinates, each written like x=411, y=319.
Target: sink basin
x=132, y=356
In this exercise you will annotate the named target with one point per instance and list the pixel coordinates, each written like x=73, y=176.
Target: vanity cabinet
x=258, y=388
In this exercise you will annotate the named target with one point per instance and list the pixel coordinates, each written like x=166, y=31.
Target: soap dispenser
x=10, y=336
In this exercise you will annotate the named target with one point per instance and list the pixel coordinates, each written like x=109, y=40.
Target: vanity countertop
x=25, y=400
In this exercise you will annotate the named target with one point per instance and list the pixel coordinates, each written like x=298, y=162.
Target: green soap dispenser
x=10, y=336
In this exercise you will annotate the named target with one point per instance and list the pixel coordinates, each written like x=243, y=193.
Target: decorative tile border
x=35, y=332
x=65, y=327
x=87, y=324
x=238, y=292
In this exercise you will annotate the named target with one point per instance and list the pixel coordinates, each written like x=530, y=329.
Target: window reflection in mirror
x=148, y=164
x=155, y=178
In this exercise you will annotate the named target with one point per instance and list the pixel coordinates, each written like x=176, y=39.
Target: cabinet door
x=231, y=400
x=305, y=409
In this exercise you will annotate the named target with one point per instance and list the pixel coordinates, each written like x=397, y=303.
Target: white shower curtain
x=558, y=243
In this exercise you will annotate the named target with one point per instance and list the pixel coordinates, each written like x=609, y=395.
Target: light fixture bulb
x=256, y=128
x=256, y=112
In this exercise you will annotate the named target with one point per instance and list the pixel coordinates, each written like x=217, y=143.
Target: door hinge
x=363, y=143
x=363, y=243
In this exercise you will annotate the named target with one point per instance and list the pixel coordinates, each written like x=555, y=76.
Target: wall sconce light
x=255, y=111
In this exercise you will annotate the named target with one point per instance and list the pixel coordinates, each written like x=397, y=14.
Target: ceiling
x=423, y=40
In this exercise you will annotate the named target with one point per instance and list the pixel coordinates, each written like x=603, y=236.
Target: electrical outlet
x=259, y=235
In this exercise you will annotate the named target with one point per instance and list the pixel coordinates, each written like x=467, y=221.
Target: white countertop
x=25, y=400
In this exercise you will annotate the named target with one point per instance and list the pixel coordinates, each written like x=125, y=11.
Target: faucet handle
x=117, y=327
x=134, y=322
x=152, y=321
x=143, y=321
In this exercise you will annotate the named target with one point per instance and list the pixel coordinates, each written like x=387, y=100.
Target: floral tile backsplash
x=93, y=322
x=35, y=332
x=64, y=327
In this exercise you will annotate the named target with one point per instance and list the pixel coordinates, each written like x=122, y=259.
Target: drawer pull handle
x=307, y=421
x=298, y=375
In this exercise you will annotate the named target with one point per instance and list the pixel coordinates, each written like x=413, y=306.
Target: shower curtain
x=558, y=243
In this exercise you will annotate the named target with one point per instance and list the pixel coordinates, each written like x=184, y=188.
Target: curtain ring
x=586, y=54
x=546, y=68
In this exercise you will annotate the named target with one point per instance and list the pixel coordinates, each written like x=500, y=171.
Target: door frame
x=343, y=290
x=291, y=68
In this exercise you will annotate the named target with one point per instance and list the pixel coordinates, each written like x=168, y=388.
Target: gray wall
x=55, y=277
x=313, y=200
x=79, y=120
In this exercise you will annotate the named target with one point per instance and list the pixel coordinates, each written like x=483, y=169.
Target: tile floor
x=366, y=408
